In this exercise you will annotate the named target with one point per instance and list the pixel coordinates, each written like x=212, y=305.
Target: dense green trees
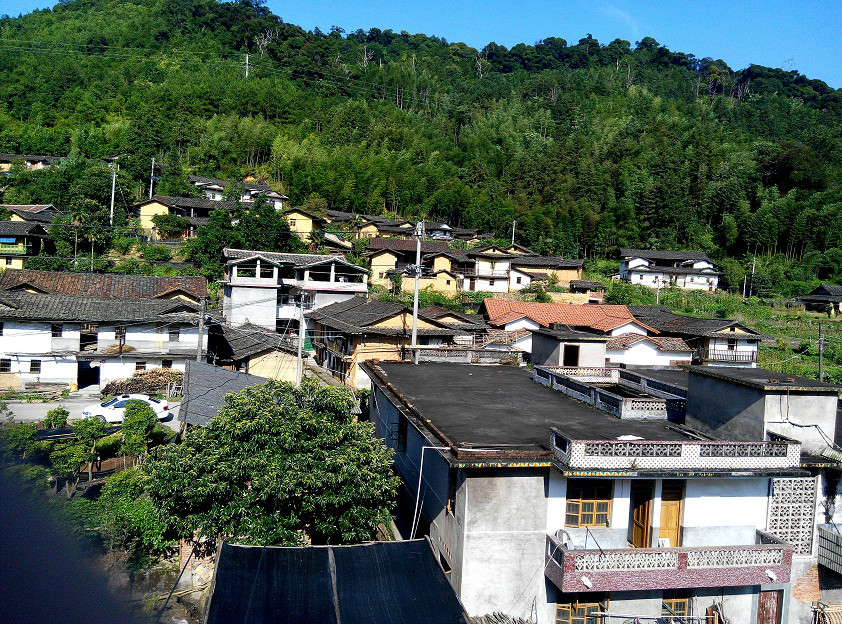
x=277, y=465
x=588, y=146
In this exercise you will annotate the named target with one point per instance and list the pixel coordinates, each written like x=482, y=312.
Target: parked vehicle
x=112, y=411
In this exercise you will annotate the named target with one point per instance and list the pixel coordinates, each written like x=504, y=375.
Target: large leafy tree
x=277, y=465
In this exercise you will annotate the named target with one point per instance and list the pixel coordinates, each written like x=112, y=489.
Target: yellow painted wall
x=437, y=283
x=562, y=275
x=148, y=211
x=442, y=263
x=381, y=263
x=278, y=365
x=15, y=217
x=303, y=224
x=404, y=320
x=17, y=263
x=368, y=231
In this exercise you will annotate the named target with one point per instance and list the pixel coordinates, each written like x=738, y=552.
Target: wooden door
x=641, y=503
x=672, y=496
x=769, y=607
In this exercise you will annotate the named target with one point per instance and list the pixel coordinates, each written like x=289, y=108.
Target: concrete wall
x=646, y=354
x=784, y=409
x=724, y=512
x=504, y=541
x=728, y=410
x=548, y=351
x=735, y=411
x=251, y=304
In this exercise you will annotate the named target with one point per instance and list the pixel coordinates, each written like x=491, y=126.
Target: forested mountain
x=589, y=146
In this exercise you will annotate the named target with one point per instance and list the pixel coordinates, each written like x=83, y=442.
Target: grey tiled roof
x=30, y=158
x=663, y=254
x=205, y=388
x=548, y=262
x=298, y=260
x=238, y=343
x=62, y=308
x=667, y=322
x=249, y=186
x=21, y=228
x=355, y=315
x=102, y=285
x=201, y=203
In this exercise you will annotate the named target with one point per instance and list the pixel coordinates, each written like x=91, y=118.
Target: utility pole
x=200, y=341
x=113, y=186
x=745, y=280
x=514, y=224
x=247, y=64
x=657, y=290
x=419, y=232
x=751, y=283
x=299, y=363
x=821, y=351
x=152, y=178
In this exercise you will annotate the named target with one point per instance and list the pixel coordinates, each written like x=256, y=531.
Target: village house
x=266, y=289
x=347, y=333
x=32, y=162
x=824, y=298
x=89, y=329
x=595, y=291
x=356, y=225
x=254, y=350
x=542, y=505
x=59, y=339
x=304, y=223
x=715, y=342
x=194, y=210
x=19, y=239
x=213, y=189
x=31, y=213
x=689, y=270
x=520, y=318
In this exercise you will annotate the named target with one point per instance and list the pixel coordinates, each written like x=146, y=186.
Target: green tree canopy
x=278, y=464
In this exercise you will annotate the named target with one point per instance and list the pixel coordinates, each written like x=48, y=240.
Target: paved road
x=34, y=412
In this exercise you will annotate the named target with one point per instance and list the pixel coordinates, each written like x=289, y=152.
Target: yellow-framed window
x=675, y=605
x=588, y=503
x=580, y=612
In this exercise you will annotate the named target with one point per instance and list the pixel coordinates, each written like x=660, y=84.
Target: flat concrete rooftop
x=673, y=375
x=501, y=407
x=764, y=379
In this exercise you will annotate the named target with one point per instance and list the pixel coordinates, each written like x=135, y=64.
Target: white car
x=111, y=411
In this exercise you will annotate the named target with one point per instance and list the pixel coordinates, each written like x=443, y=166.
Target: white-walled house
x=265, y=289
x=638, y=350
x=654, y=268
x=60, y=339
x=213, y=188
x=542, y=506
x=513, y=317
x=91, y=328
x=715, y=342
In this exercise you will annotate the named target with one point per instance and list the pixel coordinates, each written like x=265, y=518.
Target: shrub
x=128, y=518
x=157, y=253
x=56, y=418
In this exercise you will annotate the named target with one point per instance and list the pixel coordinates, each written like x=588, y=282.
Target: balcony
x=726, y=355
x=486, y=273
x=768, y=560
x=644, y=457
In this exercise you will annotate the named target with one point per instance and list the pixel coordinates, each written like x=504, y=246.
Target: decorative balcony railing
x=576, y=383
x=726, y=355
x=645, y=456
x=767, y=561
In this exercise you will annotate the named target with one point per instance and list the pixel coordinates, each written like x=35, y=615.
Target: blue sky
x=802, y=34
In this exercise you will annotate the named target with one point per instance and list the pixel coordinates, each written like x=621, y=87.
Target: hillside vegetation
x=588, y=146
